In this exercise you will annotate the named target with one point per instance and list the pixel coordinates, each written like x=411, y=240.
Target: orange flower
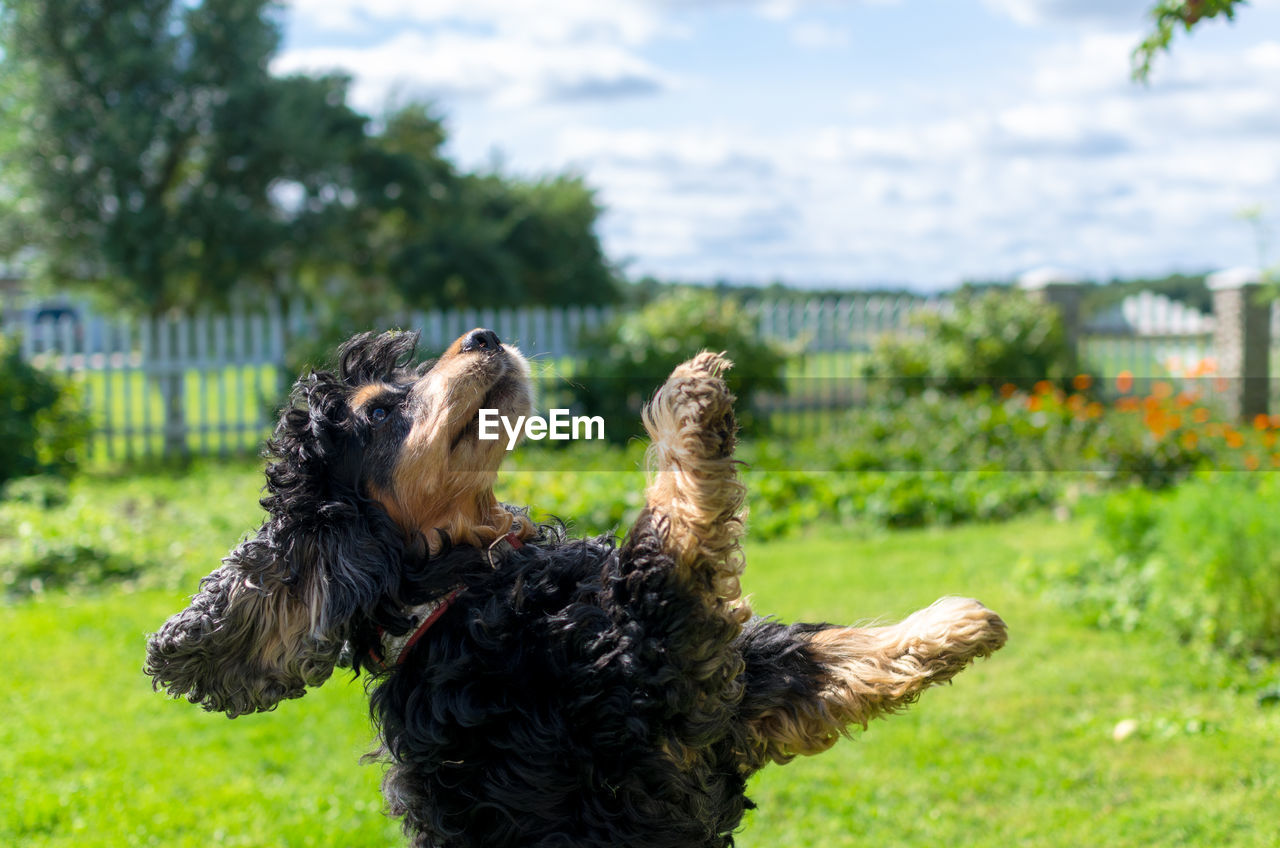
x=1275, y=460
x=1081, y=382
x=1201, y=415
x=1076, y=403
x=1162, y=390
x=1235, y=441
x=1261, y=421
x=1186, y=399
x=1043, y=387
x=1190, y=440
x=1124, y=382
x=1269, y=439
x=1093, y=410
x=1174, y=421
x=1251, y=462
x=1008, y=390
x=1034, y=403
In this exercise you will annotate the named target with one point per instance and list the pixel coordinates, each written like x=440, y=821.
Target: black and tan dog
x=530, y=689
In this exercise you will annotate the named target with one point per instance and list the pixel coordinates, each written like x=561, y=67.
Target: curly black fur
x=323, y=538
x=579, y=694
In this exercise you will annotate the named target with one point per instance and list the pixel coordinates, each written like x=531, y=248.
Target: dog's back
x=541, y=709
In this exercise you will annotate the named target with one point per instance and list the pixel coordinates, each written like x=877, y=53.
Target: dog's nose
x=481, y=340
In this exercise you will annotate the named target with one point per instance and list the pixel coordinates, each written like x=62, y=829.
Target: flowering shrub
x=933, y=459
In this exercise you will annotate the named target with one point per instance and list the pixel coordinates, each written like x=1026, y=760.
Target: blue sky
x=846, y=142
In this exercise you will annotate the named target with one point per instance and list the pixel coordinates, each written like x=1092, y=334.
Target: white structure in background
x=1149, y=314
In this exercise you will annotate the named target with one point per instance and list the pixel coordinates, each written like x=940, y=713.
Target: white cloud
x=490, y=50
x=1126, y=13
x=623, y=21
x=817, y=35
x=1090, y=65
x=455, y=65
x=1064, y=162
x=1075, y=170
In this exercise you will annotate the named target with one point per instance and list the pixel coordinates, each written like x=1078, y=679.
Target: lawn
x=1019, y=751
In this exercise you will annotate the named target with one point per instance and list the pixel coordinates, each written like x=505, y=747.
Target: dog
x=532, y=689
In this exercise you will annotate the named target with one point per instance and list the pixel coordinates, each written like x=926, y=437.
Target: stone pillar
x=1063, y=290
x=1242, y=341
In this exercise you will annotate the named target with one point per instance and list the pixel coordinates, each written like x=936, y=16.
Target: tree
x=166, y=163
x=1168, y=16
x=445, y=238
x=162, y=162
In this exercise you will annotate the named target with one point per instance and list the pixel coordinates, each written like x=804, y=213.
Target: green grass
x=227, y=410
x=1019, y=751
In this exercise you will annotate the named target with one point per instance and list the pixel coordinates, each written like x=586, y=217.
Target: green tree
x=161, y=163
x=165, y=164
x=446, y=238
x=1171, y=15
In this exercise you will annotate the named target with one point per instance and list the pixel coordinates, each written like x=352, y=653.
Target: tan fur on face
x=694, y=488
x=875, y=671
x=442, y=485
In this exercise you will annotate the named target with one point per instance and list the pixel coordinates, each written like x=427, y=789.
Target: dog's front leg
x=695, y=501
x=807, y=684
x=674, y=587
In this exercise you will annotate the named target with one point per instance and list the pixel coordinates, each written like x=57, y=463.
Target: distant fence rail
x=211, y=383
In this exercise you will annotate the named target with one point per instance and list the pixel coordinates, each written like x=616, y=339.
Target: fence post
x=1241, y=340
x=1062, y=290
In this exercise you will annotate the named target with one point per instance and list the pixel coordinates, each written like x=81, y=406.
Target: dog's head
x=375, y=463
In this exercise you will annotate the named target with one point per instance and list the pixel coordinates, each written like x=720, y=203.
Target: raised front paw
x=694, y=409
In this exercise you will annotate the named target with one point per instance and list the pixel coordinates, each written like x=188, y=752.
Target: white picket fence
x=211, y=383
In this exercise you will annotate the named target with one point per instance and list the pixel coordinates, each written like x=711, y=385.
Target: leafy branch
x=1169, y=16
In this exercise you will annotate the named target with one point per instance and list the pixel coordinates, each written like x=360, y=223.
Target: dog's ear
x=273, y=619
x=248, y=640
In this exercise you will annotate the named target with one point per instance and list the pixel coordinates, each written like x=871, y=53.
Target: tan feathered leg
x=694, y=493
x=868, y=672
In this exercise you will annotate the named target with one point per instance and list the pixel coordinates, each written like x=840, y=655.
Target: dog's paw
x=951, y=633
x=975, y=631
x=694, y=408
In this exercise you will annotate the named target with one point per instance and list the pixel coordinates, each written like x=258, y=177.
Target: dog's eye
x=378, y=415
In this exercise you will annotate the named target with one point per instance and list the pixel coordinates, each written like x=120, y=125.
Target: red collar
x=396, y=648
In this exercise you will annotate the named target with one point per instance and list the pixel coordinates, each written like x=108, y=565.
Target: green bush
x=147, y=527
x=602, y=488
x=993, y=338
x=1201, y=561
x=623, y=362
x=42, y=423
x=933, y=459
x=50, y=542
